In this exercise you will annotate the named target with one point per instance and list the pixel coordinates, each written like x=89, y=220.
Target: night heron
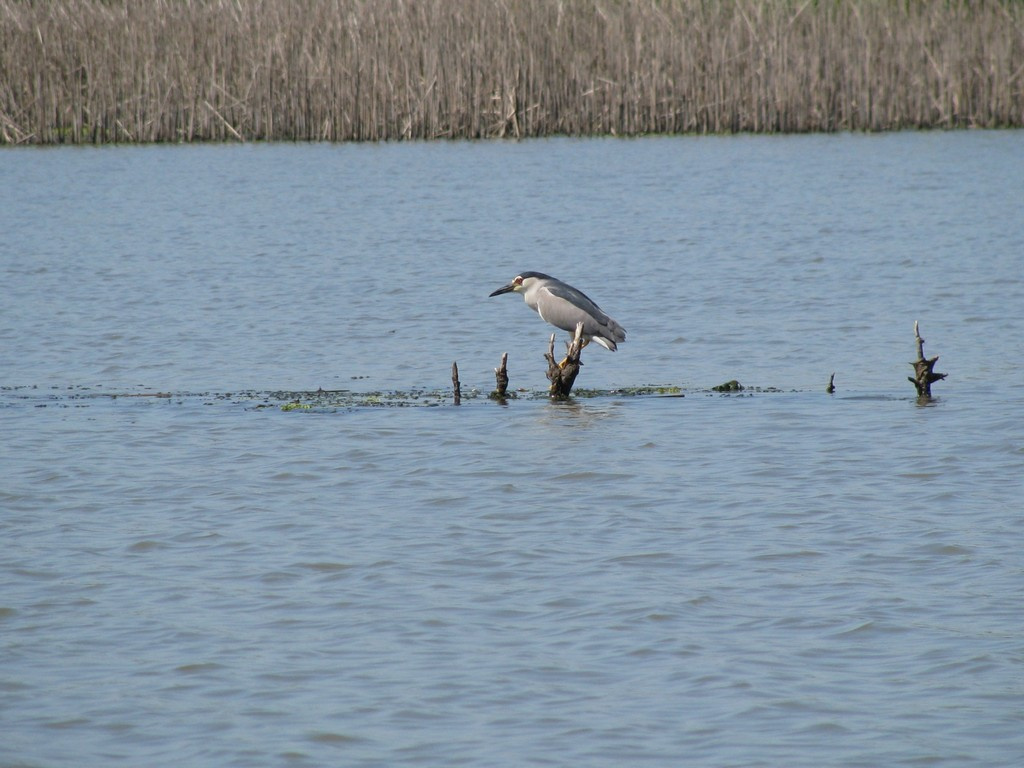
x=563, y=306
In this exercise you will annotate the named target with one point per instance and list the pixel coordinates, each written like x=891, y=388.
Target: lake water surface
x=194, y=574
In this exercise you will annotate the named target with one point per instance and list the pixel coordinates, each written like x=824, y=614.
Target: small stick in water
x=455, y=383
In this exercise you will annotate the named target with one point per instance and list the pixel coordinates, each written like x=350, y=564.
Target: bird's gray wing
x=572, y=306
x=575, y=297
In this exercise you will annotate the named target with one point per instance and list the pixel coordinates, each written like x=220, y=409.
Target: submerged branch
x=924, y=374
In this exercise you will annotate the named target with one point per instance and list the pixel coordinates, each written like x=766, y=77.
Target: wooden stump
x=456, y=386
x=501, y=379
x=563, y=375
x=924, y=374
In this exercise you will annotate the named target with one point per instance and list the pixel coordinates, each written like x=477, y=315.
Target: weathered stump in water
x=456, y=386
x=501, y=379
x=924, y=373
x=831, y=384
x=563, y=375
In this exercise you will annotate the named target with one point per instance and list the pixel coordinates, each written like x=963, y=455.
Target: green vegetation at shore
x=99, y=71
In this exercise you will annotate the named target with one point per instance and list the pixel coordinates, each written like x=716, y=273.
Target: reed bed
x=97, y=71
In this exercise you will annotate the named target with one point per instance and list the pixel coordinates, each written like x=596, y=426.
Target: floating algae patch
x=325, y=401
x=662, y=390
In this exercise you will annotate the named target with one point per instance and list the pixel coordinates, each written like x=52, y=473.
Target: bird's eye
x=518, y=281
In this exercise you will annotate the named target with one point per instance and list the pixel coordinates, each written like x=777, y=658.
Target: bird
x=563, y=306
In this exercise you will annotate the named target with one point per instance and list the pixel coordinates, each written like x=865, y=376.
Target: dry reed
x=97, y=71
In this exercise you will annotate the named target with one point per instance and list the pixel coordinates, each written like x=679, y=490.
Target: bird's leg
x=565, y=360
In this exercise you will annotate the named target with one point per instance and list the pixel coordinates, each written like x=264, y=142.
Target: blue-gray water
x=782, y=578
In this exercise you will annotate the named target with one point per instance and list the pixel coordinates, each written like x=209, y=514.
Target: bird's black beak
x=504, y=289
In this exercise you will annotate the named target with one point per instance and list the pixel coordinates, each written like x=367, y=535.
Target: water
x=779, y=577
